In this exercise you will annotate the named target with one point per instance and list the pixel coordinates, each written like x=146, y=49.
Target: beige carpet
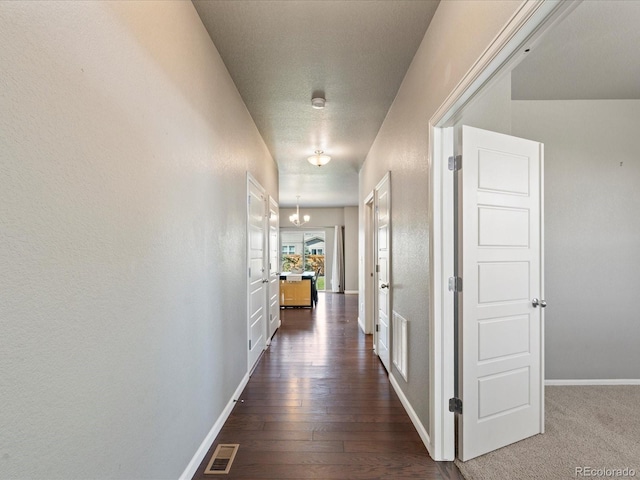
x=592, y=426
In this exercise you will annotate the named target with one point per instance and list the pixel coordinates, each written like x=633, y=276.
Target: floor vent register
x=222, y=459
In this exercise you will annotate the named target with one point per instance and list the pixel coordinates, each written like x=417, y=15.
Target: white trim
x=525, y=27
x=424, y=435
x=601, y=381
x=195, y=462
x=361, y=325
x=351, y=292
x=442, y=306
x=368, y=292
x=273, y=265
x=542, y=293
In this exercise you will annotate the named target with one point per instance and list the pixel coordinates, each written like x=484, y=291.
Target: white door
x=501, y=268
x=383, y=262
x=274, y=269
x=257, y=273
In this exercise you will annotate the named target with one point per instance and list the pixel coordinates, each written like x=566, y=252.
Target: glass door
x=304, y=251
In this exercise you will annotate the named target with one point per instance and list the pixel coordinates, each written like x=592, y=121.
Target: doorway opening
x=304, y=251
x=523, y=32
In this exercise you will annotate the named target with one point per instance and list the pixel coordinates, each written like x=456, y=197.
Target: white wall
x=123, y=150
x=456, y=37
x=592, y=234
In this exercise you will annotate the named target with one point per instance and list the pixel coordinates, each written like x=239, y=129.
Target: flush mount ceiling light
x=319, y=158
x=295, y=218
x=318, y=103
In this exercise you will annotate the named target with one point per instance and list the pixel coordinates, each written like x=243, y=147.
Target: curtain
x=337, y=277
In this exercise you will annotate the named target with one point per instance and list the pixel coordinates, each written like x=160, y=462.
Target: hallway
x=319, y=405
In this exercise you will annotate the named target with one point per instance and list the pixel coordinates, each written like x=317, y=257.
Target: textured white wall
x=457, y=35
x=123, y=150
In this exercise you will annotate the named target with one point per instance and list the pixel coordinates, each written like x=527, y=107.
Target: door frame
x=369, y=266
x=524, y=30
x=272, y=205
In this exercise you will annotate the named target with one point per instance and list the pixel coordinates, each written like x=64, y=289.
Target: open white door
x=382, y=200
x=500, y=317
x=274, y=268
x=257, y=273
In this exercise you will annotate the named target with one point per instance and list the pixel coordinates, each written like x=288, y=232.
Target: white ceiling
x=280, y=52
x=593, y=54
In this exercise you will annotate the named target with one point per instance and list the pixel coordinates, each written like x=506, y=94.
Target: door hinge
x=377, y=327
x=455, y=284
x=377, y=268
x=249, y=272
x=455, y=405
x=249, y=200
x=250, y=349
x=455, y=163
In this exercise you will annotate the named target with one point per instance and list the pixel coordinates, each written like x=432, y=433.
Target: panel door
x=500, y=329
x=274, y=274
x=383, y=254
x=257, y=273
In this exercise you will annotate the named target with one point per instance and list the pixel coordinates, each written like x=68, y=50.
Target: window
x=288, y=249
x=303, y=250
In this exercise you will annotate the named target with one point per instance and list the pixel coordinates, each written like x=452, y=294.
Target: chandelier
x=295, y=218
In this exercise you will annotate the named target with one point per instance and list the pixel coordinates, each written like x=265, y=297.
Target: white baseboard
x=424, y=435
x=351, y=292
x=190, y=471
x=602, y=381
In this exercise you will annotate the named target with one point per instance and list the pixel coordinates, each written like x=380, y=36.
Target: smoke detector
x=318, y=103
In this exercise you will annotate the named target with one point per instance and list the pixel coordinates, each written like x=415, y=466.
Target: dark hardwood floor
x=319, y=405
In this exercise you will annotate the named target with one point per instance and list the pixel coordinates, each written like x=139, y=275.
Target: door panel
x=503, y=336
x=500, y=330
x=503, y=227
x=257, y=274
x=383, y=226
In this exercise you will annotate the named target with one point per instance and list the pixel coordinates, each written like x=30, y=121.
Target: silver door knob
x=265, y=281
x=535, y=302
x=384, y=285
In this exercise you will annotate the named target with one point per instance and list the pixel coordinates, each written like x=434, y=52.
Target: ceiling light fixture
x=319, y=158
x=318, y=103
x=295, y=218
